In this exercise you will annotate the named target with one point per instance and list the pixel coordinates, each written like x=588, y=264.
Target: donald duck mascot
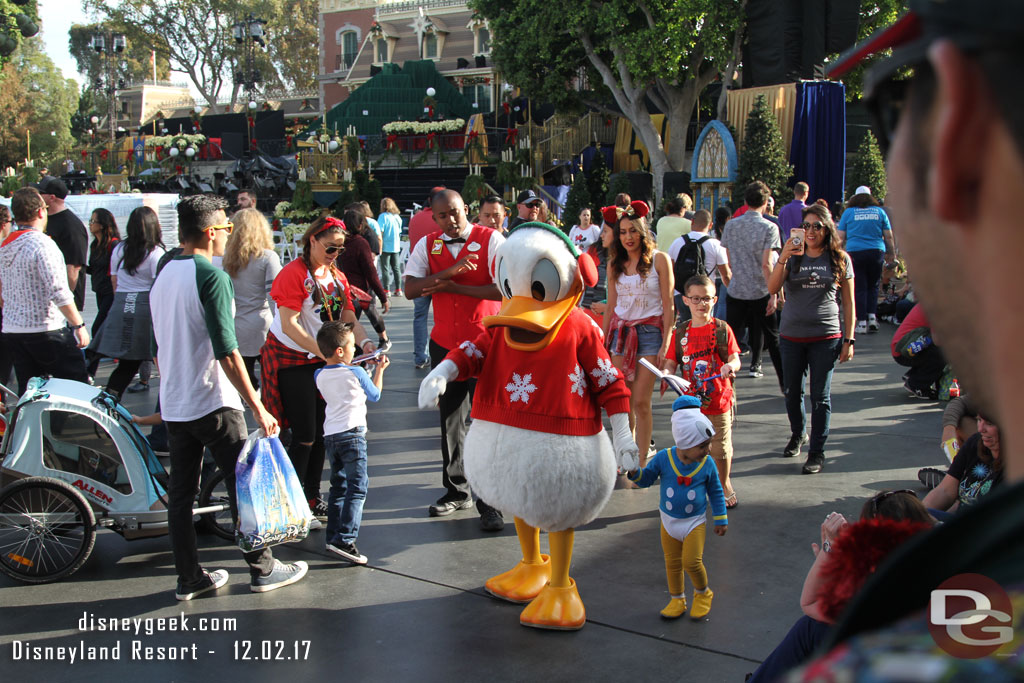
x=537, y=447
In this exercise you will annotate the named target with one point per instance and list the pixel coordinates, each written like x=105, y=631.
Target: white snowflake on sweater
x=605, y=373
x=470, y=349
x=520, y=388
x=578, y=380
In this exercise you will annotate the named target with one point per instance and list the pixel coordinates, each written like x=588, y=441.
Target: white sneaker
x=316, y=524
x=862, y=327
x=872, y=322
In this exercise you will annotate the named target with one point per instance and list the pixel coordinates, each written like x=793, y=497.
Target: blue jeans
x=420, y=334
x=347, y=454
x=390, y=272
x=795, y=649
x=820, y=359
x=867, y=274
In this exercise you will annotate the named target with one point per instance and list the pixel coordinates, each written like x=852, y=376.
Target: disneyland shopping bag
x=272, y=508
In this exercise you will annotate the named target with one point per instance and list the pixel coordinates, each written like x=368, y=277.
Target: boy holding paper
x=706, y=352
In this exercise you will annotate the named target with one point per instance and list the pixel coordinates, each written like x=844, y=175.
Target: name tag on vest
x=473, y=246
x=437, y=247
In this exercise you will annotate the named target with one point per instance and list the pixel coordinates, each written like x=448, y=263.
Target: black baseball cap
x=528, y=197
x=51, y=185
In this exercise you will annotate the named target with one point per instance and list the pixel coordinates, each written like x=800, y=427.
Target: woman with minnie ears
x=641, y=312
x=309, y=291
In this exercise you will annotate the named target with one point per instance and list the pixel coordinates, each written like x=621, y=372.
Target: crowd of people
x=697, y=300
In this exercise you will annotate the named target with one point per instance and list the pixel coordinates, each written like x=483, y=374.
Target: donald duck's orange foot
x=560, y=609
x=522, y=583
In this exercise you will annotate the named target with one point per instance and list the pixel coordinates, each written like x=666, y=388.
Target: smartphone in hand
x=796, y=236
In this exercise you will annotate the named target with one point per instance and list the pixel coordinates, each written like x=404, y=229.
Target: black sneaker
x=929, y=394
x=755, y=371
x=349, y=551
x=491, y=520
x=211, y=581
x=282, y=575
x=319, y=508
x=815, y=463
x=447, y=506
x=930, y=477
x=423, y=364
x=792, y=448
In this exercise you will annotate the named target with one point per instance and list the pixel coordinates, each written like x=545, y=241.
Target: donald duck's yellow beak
x=531, y=324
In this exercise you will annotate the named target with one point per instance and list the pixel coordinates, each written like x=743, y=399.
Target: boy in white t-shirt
x=345, y=388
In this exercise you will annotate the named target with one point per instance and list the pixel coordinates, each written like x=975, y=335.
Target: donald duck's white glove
x=434, y=384
x=627, y=455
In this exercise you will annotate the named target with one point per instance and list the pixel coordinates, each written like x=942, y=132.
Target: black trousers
x=454, y=404
x=223, y=432
x=52, y=353
x=762, y=330
x=304, y=409
x=926, y=368
x=376, y=318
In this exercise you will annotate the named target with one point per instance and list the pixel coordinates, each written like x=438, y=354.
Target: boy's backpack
x=721, y=339
x=690, y=261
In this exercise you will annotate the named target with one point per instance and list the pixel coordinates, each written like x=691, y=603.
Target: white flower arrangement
x=424, y=127
x=182, y=141
x=281, y=210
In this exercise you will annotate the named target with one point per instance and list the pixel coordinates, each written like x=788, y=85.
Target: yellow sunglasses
x=229, y=226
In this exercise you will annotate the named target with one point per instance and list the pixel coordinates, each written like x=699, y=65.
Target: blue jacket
x=678, y=498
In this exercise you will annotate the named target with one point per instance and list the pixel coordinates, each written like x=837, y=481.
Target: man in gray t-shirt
x=749, y=241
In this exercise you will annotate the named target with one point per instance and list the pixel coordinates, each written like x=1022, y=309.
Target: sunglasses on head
x=879, y=497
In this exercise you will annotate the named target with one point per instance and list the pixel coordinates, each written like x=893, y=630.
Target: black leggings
x=304, y=409
x=122, y=376
x=375, y=317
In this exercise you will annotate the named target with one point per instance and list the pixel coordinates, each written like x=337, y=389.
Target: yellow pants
x=685, y=556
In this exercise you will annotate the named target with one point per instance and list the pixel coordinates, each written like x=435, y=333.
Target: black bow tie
x=457, y=240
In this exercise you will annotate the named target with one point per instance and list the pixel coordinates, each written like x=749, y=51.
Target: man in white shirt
x=455, y=266
x=42, y=328
x=194, y=328
x=715, y=257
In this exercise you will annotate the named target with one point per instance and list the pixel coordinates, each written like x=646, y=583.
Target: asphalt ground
x=418, y=611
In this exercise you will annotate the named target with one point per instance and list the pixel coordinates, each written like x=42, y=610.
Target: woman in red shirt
x=309, y=291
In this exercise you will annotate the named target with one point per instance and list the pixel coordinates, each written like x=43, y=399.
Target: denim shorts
x=648, y=340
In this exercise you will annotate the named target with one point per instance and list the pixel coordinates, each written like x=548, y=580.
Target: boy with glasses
x=706, y=352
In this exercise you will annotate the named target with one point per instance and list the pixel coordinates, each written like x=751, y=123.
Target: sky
x=57, y=17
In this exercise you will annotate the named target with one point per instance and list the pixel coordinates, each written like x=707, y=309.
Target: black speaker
x=676, y=182
x=374, y=70
x=641, y=185
x=460, y=63
x=481, y=61
x=232, y=144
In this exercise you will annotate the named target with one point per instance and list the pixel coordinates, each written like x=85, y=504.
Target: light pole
x=109, y=46
x=248, y=33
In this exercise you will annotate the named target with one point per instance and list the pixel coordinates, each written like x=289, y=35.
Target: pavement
x=418, y=611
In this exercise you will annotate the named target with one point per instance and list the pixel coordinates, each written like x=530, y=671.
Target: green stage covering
x=397, y=94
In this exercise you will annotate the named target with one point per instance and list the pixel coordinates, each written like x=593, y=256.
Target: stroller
x=74, y=462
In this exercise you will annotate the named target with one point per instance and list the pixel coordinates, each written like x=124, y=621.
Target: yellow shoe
x=674, y=609
x=560, y=609
x=701, y=604
x=522, y=583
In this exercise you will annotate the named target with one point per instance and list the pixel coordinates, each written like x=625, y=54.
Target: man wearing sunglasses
x=201, y=390
x=954, y=131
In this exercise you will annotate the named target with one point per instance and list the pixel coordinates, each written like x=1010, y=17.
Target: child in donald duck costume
x=537, y=447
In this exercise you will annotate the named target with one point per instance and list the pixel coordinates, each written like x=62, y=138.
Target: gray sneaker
x=211, y=581
x=282, y=575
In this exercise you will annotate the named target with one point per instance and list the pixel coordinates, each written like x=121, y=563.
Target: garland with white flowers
x=424, y=127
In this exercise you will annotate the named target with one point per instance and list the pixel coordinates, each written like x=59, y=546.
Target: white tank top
x=639, y=297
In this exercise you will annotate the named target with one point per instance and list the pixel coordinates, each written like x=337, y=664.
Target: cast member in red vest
x=455, y=266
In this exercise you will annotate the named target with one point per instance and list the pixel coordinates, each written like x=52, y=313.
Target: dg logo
x=970, y=616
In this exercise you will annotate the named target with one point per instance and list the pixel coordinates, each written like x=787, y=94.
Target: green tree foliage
x=10, y=29
x=762, y=154
x=597, y=181
x=578, y=199
x=874, y=14
x=210, y=56
x=618, y=51
x=867, y=168
x=36, y=101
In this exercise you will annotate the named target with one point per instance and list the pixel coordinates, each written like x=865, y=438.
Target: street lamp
x=248, y=33
x=109, y=46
